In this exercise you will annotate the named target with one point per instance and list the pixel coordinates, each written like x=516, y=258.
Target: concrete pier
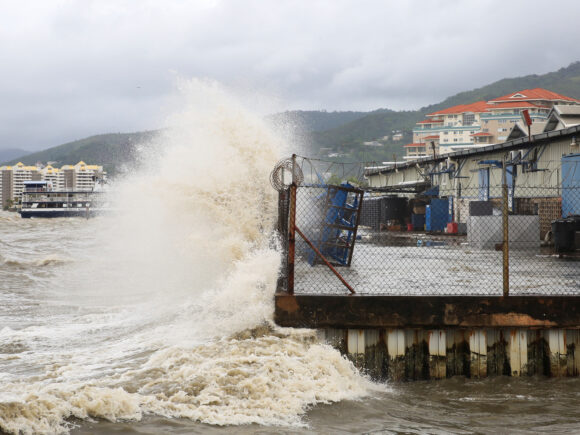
x=417, y=338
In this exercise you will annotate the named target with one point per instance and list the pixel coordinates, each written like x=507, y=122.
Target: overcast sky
x=72, y=69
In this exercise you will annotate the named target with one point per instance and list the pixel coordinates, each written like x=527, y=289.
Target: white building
x=468, y=126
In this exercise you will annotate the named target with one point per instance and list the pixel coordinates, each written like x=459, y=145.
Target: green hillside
x=110, y=150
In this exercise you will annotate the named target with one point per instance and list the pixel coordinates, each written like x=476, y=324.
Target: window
x=468, y=118
x=501, y=121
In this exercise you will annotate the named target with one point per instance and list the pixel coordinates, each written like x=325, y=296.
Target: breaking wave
x=167, y=310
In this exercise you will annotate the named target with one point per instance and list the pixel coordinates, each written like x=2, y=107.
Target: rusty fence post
x=292, y=229
x=505, y=224
x=283, y=196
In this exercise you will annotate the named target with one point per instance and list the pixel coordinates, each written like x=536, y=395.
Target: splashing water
x=163, y=308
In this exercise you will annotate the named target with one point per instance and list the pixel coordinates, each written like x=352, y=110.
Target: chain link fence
x=436, y=242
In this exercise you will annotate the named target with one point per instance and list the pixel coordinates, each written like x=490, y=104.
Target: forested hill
x=113, y=151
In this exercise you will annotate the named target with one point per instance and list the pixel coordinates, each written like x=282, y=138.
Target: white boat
x=39, y=200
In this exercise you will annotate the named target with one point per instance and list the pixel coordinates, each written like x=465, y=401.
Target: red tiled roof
x=515, y=104
x=533, y=94
x=479, y=107
x=414, y=145
x=481, y=134
x=430, y=121
x=431, y=137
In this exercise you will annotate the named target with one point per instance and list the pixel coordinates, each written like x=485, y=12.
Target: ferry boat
x=39, y=200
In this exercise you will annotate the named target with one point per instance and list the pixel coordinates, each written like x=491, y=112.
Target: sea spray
x=166, y=309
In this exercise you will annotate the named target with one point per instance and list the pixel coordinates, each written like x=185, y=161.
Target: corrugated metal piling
x=411, y=354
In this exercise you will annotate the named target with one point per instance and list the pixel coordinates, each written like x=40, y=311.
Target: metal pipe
x=338, y=275
x=505, y=223
x=291, y=229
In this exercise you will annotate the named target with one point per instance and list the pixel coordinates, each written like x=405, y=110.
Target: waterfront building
x=20, y=174
x=5, y=186
x=468, y=126
x=534, y=173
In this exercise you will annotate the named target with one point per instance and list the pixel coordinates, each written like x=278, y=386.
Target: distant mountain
x=315, y=120
x=350, y=137
x=12, y=153
x=113, y=151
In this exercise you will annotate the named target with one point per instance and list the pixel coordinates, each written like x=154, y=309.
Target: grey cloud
x=77, y=68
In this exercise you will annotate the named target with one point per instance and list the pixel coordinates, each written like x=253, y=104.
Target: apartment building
x=86, y=175
x=482, y=123
x=50, y=174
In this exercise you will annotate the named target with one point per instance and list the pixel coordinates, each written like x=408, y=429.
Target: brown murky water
x=77, y=358
x=458, y=406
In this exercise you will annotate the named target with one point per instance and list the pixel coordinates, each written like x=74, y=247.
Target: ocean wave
x=188, y=258
x=257, y=376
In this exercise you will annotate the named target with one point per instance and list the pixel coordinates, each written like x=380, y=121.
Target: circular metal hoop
x=277, y=179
